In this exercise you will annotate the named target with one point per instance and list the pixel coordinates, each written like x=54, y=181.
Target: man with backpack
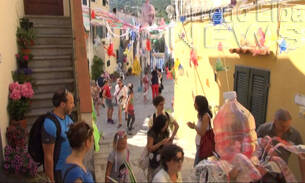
x=55, y=145
x=158, y=103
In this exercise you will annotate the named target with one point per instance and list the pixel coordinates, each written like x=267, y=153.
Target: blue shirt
x=49, y=137
x=75, y=173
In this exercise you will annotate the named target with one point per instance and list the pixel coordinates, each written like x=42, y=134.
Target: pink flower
x=27, y=90
x=26, y=57
x=14, y=86
x=15, y=94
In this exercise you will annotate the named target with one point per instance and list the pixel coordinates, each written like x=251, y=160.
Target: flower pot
x=22, y=123
x=23, y=65
x=26, y=51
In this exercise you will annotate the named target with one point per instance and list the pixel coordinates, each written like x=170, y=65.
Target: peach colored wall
x=10, y=12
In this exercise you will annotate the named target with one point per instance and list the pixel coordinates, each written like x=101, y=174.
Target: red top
x=106, y=88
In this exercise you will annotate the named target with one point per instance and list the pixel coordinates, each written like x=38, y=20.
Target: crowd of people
x=64, y=152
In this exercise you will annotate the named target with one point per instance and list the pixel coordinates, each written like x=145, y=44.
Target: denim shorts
x=109, y=103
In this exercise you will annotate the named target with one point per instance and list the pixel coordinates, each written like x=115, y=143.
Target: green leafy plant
x=25, y=37
x=23, y=75
x=97, y=67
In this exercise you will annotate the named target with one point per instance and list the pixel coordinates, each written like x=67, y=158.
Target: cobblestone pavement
x=137, y=141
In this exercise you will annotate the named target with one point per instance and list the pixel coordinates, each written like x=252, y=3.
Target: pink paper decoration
x=194, y=58
x=92, y=14
x=110, y=50
x=148, y=45
x=220, y=46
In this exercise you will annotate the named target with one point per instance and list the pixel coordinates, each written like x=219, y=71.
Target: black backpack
x=35, y=148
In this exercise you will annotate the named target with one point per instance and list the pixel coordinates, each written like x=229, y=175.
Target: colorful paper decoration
x=92, y=14
x=194, y=58
x=181, y=70
x=177, y=63
x=148, y=13
x=126, y=51
x=148, y=45
x=182, y=36
x=207, y=83
x=261, y=37
x=136, y=68
x=110, y=50
x=283, y=46
x=219, y=65
x=182, y=19
x=217, y=17
x=220, y=46
x=169, y=74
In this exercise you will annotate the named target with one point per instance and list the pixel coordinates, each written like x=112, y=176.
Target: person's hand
x=165, y=141
x=191, y=125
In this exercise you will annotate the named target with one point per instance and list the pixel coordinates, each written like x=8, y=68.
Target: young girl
x=95, y=91
x=116, y=168
x=130, y=109
x=146, y=86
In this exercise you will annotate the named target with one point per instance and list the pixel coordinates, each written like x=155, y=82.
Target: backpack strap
x=67, y=171
x=154, y=117
x=167, y=115
x=58, y=137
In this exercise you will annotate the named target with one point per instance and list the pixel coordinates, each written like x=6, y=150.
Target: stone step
x=51, y=50
x=43, y=100
x=52, y=73
x=46, y=86
x=32, y=115
x=45, y=29
x=51, y=62
x=53, y=39
x=49, y=20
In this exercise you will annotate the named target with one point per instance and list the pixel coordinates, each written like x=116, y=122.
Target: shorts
x=109, y=103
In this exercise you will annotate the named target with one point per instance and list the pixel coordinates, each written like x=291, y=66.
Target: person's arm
x=108, y=171
x=48, y=150
x=302, y=167
x=176, y=127
x=150, y=144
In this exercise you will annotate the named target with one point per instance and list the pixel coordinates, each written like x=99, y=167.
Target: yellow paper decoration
x=126, y=51
x=136, y=68
x=177, y=63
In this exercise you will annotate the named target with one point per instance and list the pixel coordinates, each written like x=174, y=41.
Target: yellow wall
x=287, y=70
x=10, y=12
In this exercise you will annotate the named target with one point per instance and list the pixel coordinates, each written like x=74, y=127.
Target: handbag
x=207, y=144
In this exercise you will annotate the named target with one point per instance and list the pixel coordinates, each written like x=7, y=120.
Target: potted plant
x=19, y=102
x=97, y=67
x=16, y=158
x=23, y=60
x=25, y=39
x=22, y=75
x=26, y=24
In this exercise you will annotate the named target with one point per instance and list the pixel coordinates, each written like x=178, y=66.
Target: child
x=108, y=98
x=95, y=91
x=130, y=109
x=116, y=168
x=146, y=87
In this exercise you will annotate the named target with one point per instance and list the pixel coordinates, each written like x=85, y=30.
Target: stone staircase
x=52, y=64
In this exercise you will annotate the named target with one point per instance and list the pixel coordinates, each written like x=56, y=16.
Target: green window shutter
x=99, y=31
x=241, y=84
x=259, y=87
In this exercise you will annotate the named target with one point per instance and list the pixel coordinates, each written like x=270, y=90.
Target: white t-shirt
x=118, y=93
x=198, y=137
x=162, y=176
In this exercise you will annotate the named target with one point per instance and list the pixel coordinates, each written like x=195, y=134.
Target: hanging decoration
x=261, y=38
x=207, y=82
x=182, y=19
x=136, y=68
x=92, y=14
x=126, y=51
x=148, y=45
x=110, y=50
x=283, y=45
x=193, y=58
x=169, y=74
x=220, y=46
x=181, y=70
x=217, y=17
x=148, y=13
x=219, y=66
x=177, y=64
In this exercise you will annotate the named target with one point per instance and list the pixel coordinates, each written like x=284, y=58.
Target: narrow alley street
x=137, y=141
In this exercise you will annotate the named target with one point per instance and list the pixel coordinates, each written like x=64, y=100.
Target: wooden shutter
x=259, y=87
x=241, y=84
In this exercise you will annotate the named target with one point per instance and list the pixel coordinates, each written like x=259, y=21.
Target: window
x=85, y=2
x=101, y=31
x=92, y=0
x=252, y=87
x=105, y=2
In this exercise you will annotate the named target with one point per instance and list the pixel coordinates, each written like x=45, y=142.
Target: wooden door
x=43, y=7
